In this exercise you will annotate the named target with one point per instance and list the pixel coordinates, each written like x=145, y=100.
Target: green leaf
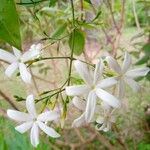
x=146, y=49
x=59, y=31
x=88, y=1
x=143, y=60
x=30, y=3
x=77, y=41
x=52, y=3
x=9, y=23
x=97, y=15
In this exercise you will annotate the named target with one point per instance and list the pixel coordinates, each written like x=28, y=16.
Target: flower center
x=93, y=87
x=34, y=119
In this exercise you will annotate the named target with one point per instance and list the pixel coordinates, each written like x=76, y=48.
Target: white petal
x=76, y=90
x=106, y=83
x=121, y=88
x=106, y=129
x=79, y=121
x=25, y=75
x=6, y=56
x=30, y=105
x=24, y=127
x=18, y=116
x=98, y=71
x=11, y=69
x=48, y=130
x=29, y=55
x=48, y=116
x=100, y=120
x=36, y=46
x=138, y=72
x=90, y=106
x=108, y=98
x=16, y=52
x=34, y=135
x=105, y=106
x=79, y=103
x=113, y=64
x=133, y=84
x=83, y=71
x=127, y=62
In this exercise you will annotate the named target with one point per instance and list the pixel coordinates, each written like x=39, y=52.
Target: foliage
x=9, y=23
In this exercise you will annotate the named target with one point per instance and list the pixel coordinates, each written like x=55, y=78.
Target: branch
x=8, y=100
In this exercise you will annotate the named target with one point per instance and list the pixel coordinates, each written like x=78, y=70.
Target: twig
x=8, y=100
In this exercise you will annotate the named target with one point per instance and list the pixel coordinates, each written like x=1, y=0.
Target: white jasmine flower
x=18, y=61
x=93, y=89
x=33, y=121
x=125, y=75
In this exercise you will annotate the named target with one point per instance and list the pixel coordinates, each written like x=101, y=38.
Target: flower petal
x=29, y=55
x=17, y=53
x=34, y=135
x=133, y=84
x=48, y=116
x=79, y=121
x=138, y=72
x=108, y=98
x=79, y=103
x=90, y=106
x=113, y=64
x=106, y=83
x=98, y=71
x=48, y=130
x=36, y=46
x=100, y=120
x=127, y=62
x=121, y=88
x=6, y=56
x=83, y=71
x=25, y=75
x=11, y=69
x=24, y=127
x=30, y=105
x=76, y=90
x=18, y=116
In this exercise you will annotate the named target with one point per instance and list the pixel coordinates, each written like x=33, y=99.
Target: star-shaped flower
x=33, y=121
x=93, y=89
x=18, y=61
x=125, y=75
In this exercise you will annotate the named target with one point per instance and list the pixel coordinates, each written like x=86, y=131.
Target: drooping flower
x=93, y=89
x=125, y=75
x=33, y=121
x=105, y=120
x=18, y=60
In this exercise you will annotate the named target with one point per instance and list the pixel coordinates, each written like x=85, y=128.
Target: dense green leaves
x=77, y=41
x=9, y=23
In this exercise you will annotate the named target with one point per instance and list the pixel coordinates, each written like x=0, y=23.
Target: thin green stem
x=72, y=47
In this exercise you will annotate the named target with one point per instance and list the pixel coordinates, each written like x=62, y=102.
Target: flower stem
x=72, y=47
